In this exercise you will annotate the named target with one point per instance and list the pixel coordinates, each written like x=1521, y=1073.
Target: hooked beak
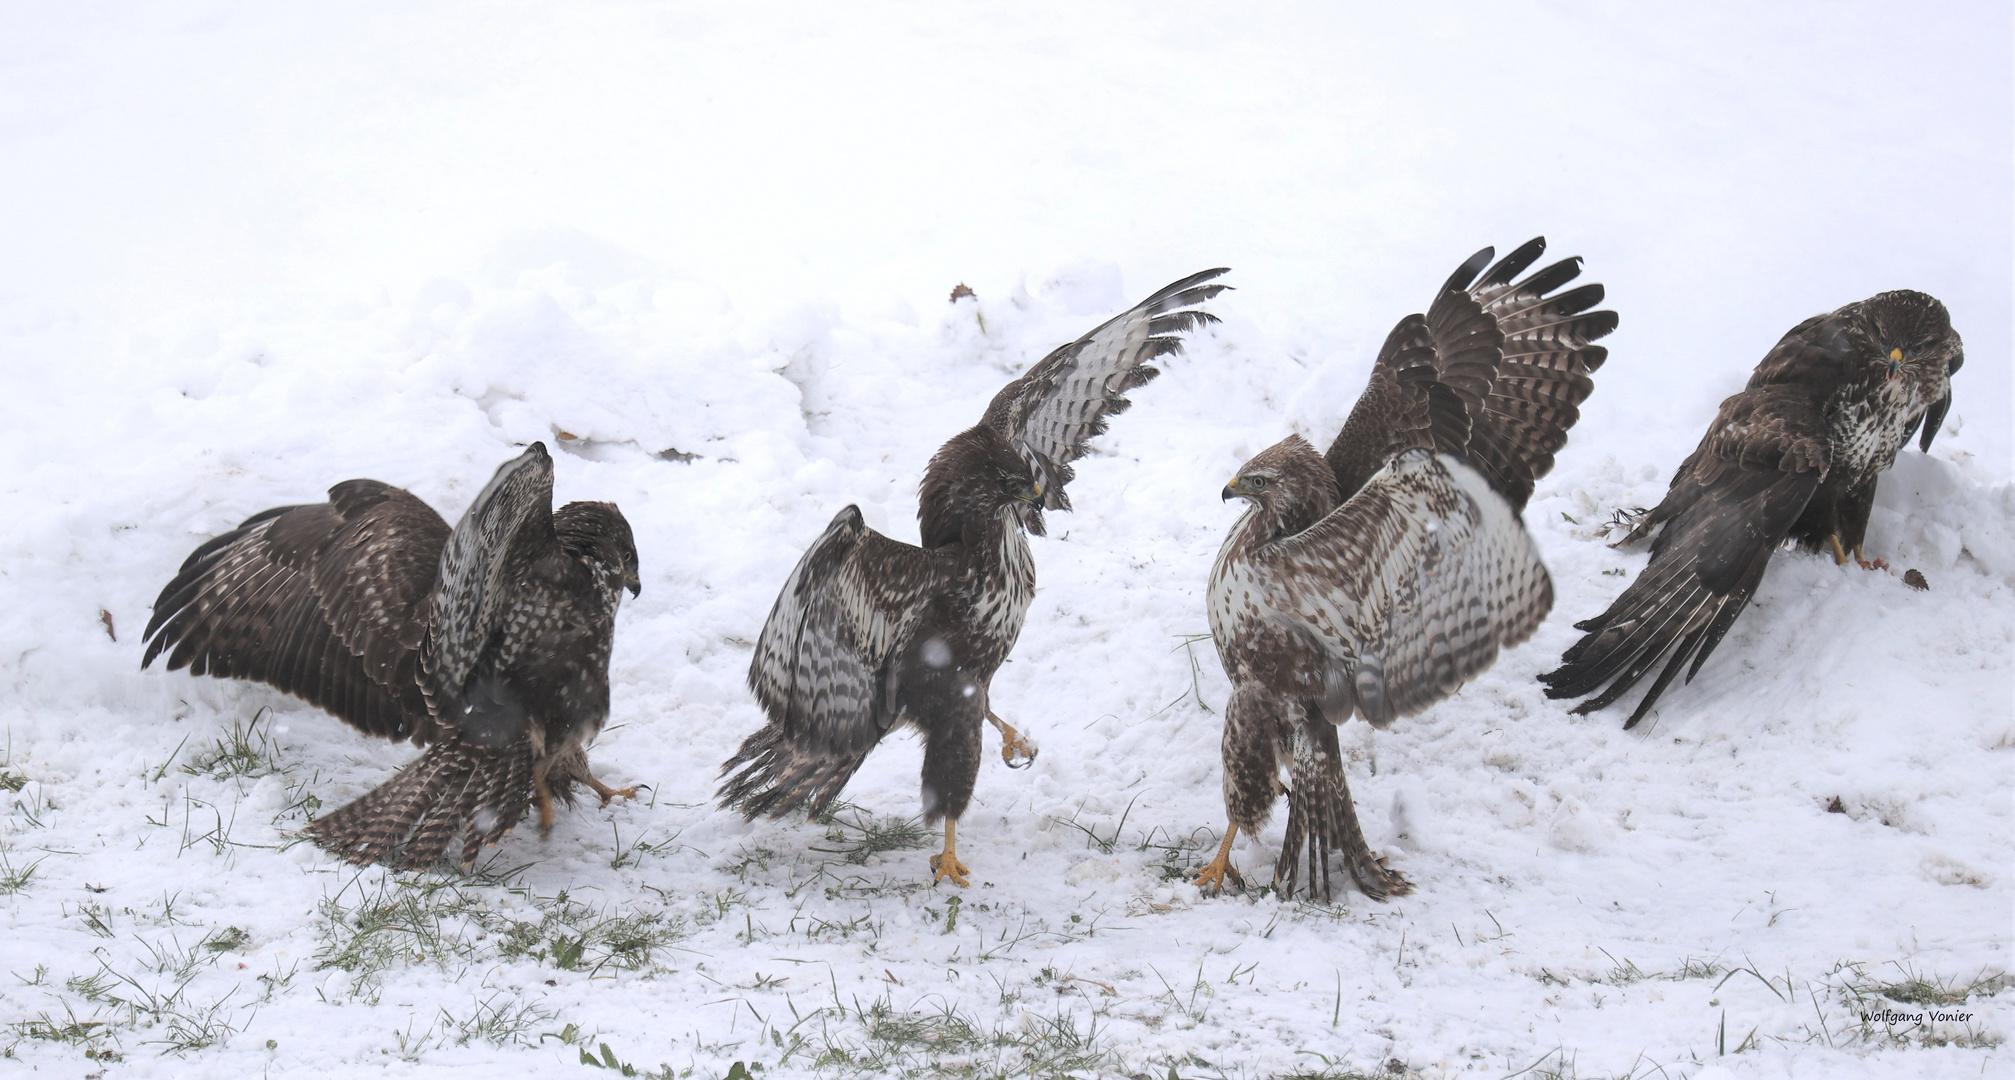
x=635, y=584
x=1895, y=362
x=1032, y=493
x=1230, y=491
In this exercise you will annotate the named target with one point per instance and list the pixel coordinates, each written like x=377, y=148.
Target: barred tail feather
x=773, y=777
x=1322, y=819
x=1719, y=530
x=454, y=791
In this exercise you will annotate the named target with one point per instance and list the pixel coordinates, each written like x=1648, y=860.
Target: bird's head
x=1912, y=336
x=976, y=476
x=1288, y=484
x=599, y=535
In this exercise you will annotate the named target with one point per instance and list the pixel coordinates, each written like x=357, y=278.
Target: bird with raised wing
x=871, y=632
x=488, y=644
x=1376, y=579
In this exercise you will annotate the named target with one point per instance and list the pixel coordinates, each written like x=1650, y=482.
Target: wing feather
x=1055, y=409
x=313, y=600
x=1511, y=360
x=512, y=516
x=1411, y=587
x=819, y=668
x=1731, y=504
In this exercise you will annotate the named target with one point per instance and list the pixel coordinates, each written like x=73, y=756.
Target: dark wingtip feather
x=1466, y=273
x=1514, y=264
x=1934, y=418
x=1179, y=322
x=1192, y=289
x=1553, y=277
x=1577, y=300
x=1597, y=325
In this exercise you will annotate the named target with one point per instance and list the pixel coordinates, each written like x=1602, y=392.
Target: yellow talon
x=1840, y=555
x=543, y=795
x=946, y=863
x=1213, y=875
x=1012, y=743
x=608, y=793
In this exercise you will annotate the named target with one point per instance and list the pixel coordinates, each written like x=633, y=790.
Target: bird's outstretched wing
x=1731, y=504
x=1494, y=372
x=509, y=525
x=821, y=666
x=1410, y=588
x=1054, y=409
x=327, y=602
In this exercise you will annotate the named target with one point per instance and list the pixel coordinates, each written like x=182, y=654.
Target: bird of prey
x=1794, y=456
x=870, y=632
x=488, y=644
x=1377, y=578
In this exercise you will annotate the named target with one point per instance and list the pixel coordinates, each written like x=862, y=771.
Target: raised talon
x=1019, y=746
x=1012, y=743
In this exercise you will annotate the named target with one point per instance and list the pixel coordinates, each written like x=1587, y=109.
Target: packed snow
x=705, y=251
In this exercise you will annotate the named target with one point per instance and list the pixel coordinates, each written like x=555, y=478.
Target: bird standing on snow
x=1794, y=456
x=1379, y=577
x=488, y=645
x=870, y=632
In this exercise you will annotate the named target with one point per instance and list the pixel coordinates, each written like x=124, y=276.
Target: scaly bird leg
x=1840, y=555
x=1220, y=868
x=543, y=795
x=608, y=793
x=1013, y=743
x=946, y=864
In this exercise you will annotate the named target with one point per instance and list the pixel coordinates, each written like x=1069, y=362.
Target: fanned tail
x=454, y=791
x=1321, y=819
x=777, y=777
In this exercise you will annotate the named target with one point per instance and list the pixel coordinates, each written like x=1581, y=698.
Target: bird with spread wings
x=488, y=644
x=1794, y=456
x=1376, y=579
x=870, y=632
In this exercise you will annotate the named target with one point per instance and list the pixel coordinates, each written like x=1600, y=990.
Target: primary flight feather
x=870, y=632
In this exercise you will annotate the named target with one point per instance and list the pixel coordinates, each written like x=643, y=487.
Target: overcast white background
x=247, y=251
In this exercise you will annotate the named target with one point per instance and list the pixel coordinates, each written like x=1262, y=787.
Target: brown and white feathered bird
x=870, y=632
x=1376, y=579
x=1796, y=456
x=488, y=644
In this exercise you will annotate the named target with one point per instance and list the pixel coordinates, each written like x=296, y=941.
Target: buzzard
x=1794, y=456
x=488, y=644
x=870, y=632
x=1377, y=578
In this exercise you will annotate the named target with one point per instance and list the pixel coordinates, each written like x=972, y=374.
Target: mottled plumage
x=870, y=632
x=1378, y=578
x=488, y=644
x=1794, y=456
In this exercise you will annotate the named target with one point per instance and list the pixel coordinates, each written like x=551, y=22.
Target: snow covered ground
x=252, y=250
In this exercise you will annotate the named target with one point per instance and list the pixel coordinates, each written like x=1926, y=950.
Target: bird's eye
x=1257, y=483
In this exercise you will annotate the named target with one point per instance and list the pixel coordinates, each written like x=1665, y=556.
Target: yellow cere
x=1896, y=354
